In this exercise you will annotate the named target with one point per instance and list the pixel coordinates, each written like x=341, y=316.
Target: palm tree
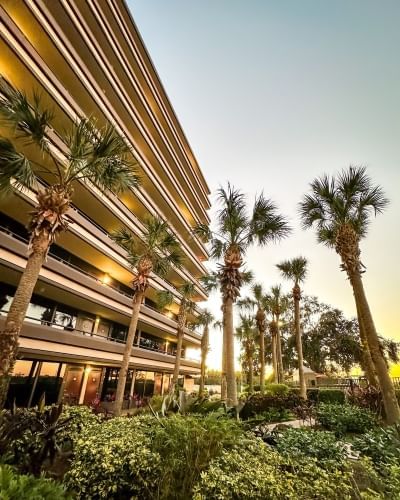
x=258, y=301
x=90, y=153
x=187, y=306
x=278, y=304
x=296, y=271
x=247, y=334
x=236, y=231
x=204, y=319
x=155, y=252
x=340, y=208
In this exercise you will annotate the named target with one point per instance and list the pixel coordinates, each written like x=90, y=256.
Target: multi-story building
x=87, y=58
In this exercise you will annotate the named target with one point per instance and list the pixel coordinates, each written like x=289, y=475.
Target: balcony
x=69, y=277
x=50, y=341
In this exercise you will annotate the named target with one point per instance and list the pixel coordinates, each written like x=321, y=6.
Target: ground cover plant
x=344, y=418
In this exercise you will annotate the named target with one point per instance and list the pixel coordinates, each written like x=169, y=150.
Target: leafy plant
x=277, y=389
x=252, y=471
x=381, y=444
x=344, y=418
x=14, y=486
x=259, y=403
x=304, y=442
x=29, y=438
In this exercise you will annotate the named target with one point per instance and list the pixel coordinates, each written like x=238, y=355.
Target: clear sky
x=273, y=93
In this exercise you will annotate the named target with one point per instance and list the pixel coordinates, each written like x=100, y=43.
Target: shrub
x=259, y=403
x=252, y=471
x=382, y=445
x=26, y=487
x=277, y=389
x=145, y=457
x=186, y=446
x=343, y=418
x=202, y=407
x=114, y=460
x=31, y=438
x=331, y=396
x=305, y=442
x=80, y=417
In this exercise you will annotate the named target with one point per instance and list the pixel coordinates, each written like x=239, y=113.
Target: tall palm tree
x=187, y=306
x=155, y=252
x=90, y=153
x=237, y=230
x=247, y=334
x=296, y=271
x=278, y=304
x=340, y=208
x=258, y=301
x=204, y=319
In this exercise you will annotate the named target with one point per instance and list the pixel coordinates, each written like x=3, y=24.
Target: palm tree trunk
x=223, y=365
x=177, y=365
x=390, y=403
x=204, y=350
x=366, y=359
x=262, y=361
x=231, y=390
x=279, y=352
x=123, y=372
x=302, y=380
x=274, y=359
x=16, y=315
x=251, y=374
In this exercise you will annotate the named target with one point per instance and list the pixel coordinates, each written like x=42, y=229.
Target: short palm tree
x=155, y=252
x=187, y=306
x=277, y=304
x=247, y=334
x=296, y=271
x=236, y=231
x=98, y=155
x=204, y=319
x=258, y=302
x=340, y=208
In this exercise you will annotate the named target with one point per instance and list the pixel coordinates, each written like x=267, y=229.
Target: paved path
x=296, y=424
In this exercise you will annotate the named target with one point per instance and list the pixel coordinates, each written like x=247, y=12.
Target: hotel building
x=87, y=58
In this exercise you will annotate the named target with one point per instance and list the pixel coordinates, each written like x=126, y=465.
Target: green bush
x=252, y=471
x=258, y=403
x=186, y=446
x=145, y=457
x=14, y=486
x=382, y=445
x=81, y=417
x=331, y=396
x=305, y=442
x=114, y=460
x=202, y=407
x=344, y=418
x=277, y=389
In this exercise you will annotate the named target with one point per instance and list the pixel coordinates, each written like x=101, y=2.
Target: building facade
x=86, y=58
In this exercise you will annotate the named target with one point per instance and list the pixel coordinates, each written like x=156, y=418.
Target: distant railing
x=86, y=273
x=57, y=326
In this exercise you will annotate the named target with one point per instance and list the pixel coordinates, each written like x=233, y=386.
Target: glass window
x=65, y=318
x=22, y=368
x=118, y=332
x=39, y=314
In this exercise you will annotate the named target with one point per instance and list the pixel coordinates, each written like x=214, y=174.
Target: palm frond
x=232, y=216
x=203, y=232
x=164, y=299
x=266, y=224
x=16, y=171
x=124, y=238
x=247, y=277
x=29, y=120
x=210, y=282
x=102, y=156
x=294, y=269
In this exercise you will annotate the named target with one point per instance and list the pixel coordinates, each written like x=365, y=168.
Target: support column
x=139, y=335
x=86, y=372
x=39, y=367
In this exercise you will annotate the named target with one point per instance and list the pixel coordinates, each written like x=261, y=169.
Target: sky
x=272, y=94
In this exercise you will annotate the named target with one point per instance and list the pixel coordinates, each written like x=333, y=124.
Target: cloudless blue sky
x=273, y=93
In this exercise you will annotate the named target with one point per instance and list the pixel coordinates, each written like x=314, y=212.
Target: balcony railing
x=86, y=273
x=57, y=326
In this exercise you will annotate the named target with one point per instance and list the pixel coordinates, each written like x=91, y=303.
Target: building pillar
x=62, y=385
x=39, y=367
x=139, y=335
x=132, y=389
x=86, y=372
